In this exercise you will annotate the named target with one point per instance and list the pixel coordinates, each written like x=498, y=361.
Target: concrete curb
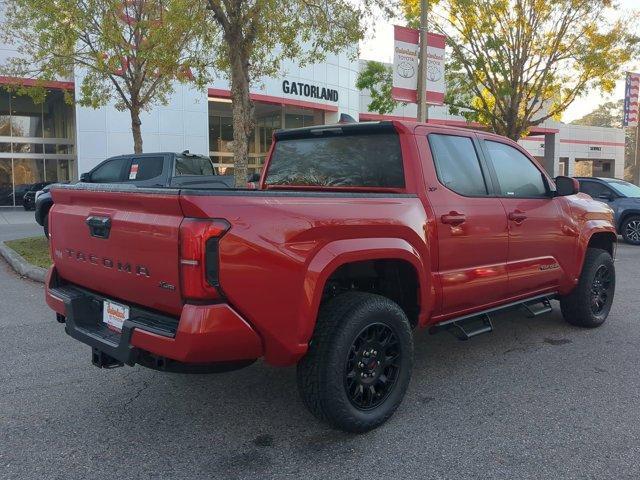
x=21, y=266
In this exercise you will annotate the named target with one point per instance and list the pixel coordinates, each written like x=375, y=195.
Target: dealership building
x=53, y=141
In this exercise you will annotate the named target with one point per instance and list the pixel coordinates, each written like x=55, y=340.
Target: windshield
x=194, y=166
x=625, y=188
x=361, y=160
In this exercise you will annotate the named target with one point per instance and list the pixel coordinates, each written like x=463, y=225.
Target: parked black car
x=165, y=169
x=29, y=197
x=623, y=197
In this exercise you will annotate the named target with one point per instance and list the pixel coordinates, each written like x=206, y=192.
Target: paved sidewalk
x=16, y=216
x=17, y=223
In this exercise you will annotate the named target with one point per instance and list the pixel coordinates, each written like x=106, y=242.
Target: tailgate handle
x=99, y=227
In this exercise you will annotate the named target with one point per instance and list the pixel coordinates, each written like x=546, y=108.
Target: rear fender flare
x=341, y=252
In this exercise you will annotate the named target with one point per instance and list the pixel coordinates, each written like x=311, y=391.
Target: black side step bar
x=471, y=325
x=537, y=308
x=466, y=329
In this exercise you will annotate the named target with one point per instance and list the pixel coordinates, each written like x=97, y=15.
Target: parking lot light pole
x=423, y=114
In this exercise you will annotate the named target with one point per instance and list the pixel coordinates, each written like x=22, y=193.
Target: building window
x=35, y=143
x=57, y=170
x=268, y=119
x=6, y=183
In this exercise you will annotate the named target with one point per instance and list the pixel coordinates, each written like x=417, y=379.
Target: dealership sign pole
x=423, y=109
x=406, y=67
x=631, y=113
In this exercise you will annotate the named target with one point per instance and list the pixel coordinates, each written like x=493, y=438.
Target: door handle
x=453, y=218
x=517, y=216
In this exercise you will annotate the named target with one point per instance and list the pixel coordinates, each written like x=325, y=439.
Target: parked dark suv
x=623, y=197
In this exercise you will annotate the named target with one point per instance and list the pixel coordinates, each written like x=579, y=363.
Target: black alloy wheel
x=601, y=289
x=372, y=366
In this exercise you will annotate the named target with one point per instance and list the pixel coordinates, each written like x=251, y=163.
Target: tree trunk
x=243, y=121
x=135, y=130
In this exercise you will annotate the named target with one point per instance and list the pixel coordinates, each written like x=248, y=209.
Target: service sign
x=406, y=65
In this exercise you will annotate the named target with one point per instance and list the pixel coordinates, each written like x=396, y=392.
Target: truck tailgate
x=123, y=244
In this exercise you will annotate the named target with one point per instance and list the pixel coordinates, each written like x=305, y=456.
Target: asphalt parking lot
x=537, y=398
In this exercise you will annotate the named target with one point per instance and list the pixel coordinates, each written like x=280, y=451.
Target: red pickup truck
x=356, y=236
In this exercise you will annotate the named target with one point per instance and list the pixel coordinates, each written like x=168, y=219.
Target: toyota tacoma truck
x=357, y=236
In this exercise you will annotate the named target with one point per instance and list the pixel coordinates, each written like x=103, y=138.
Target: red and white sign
x=631, y=100
x=133, y=173
x=406, y=65
x=114, y=315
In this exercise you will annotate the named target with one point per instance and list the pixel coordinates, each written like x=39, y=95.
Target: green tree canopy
x=515, y=63
x=377, y=78
x=608, y=114
x=129, y=51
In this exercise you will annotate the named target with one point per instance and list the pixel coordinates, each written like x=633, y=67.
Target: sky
x=379, y=46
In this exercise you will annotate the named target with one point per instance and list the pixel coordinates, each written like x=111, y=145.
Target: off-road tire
x=629, y=230
x=323, y=373
x=579, y=307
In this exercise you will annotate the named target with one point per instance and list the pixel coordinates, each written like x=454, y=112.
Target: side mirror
x=85, y=177
x=253, y=177
x=566, y=186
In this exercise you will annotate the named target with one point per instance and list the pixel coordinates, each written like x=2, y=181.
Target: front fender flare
x=590, y=229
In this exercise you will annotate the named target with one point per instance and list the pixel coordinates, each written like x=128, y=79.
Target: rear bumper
x=204, y=334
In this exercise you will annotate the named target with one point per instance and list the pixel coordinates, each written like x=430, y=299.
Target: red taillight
x=199, y=261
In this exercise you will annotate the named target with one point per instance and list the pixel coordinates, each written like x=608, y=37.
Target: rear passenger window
x=517, y=175
x=145, y=168
x=457, y=164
